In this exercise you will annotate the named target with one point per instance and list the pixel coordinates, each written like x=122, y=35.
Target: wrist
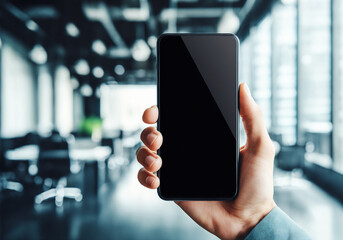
x=252, y=217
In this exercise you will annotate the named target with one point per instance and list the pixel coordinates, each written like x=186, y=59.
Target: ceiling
x=70, y=30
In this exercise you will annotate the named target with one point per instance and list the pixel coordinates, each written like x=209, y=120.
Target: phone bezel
x=237, y=115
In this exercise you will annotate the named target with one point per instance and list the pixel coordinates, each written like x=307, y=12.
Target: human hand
x=226, y=219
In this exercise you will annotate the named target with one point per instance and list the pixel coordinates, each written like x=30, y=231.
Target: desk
x=28, y=152
x=93, y=159
x=31, y=153
x=95, y=162
x=99, y=153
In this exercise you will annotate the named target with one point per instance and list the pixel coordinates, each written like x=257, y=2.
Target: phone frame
x=237, y=114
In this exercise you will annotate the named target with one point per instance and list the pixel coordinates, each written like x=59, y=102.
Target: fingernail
x=150, y=180
x=149, y=160
x=151, y=137
x=247, y=89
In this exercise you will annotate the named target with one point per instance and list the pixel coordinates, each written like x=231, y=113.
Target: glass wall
x=45, y=100
x=260, y=83
x=338, y=84
x=64, y=100
x=293, y=63
x=315, y=125
x=284, y=97
x=122, y=106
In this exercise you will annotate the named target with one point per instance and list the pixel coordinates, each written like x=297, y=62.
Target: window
x=260, y=84
x=17, y=90
x=255, y=69
x=315, y=125
x=64, y=100
x=45, y=105
x=338, y=85
x=122, y=106
x=284, y=117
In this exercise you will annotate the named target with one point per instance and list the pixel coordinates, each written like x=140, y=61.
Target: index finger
x=150, y=115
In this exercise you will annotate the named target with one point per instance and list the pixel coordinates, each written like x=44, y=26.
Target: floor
x=309, y=206
x=127, y=211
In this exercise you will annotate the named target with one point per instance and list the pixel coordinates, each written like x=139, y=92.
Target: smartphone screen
x=198, y=116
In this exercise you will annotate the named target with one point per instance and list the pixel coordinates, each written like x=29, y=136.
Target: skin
x=226, y=219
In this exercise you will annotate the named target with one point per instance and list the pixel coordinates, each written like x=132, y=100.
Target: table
x=31, y=152
x=27, y=152
x=99, y=153
x=93, y=159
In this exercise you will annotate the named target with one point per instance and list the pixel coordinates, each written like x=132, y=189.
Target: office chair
x=290, y=161
x=108, y=142
x=290, y=157
x=54, y=163
x=7, y=170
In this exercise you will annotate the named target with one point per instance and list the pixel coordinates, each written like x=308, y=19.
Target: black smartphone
x=198, y=116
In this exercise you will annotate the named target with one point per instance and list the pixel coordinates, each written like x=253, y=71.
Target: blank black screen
x=197, y=99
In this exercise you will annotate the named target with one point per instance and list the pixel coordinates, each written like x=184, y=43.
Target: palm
x=227, y=220
x=223, y=217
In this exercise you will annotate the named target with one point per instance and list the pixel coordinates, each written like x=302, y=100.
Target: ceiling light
x=86, y=90
x=152, y=40
x=31, y=25
x=136, y=14
x=140, y=51
x=119, y=52
x=82, y=67
x=38, y=54
x=74, y=83
x=119, y=69
x=72, y=30
x=98, y=72
x=99, y=47
x=229, y=23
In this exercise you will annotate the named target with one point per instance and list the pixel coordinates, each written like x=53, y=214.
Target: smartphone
x=198, y=116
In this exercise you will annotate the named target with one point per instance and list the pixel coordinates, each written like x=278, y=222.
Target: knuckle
x=154, y=165
x=144, y=133
x=140, y=171
x=138, y=151
x=139, y=175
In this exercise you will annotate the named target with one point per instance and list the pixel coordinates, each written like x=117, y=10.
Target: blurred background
x=75, y=77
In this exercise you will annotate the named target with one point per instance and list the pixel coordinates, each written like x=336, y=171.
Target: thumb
x=251, y=116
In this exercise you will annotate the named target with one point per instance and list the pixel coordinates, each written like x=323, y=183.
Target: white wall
x=17, y=90
x=122, y=105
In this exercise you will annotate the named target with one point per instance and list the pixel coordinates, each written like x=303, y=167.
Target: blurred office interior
x=75, y=77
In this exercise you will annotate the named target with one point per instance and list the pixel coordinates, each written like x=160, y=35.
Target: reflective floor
x=312, y=208
x=128, y=211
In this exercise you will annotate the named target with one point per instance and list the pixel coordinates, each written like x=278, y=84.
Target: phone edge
x=237, y=115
